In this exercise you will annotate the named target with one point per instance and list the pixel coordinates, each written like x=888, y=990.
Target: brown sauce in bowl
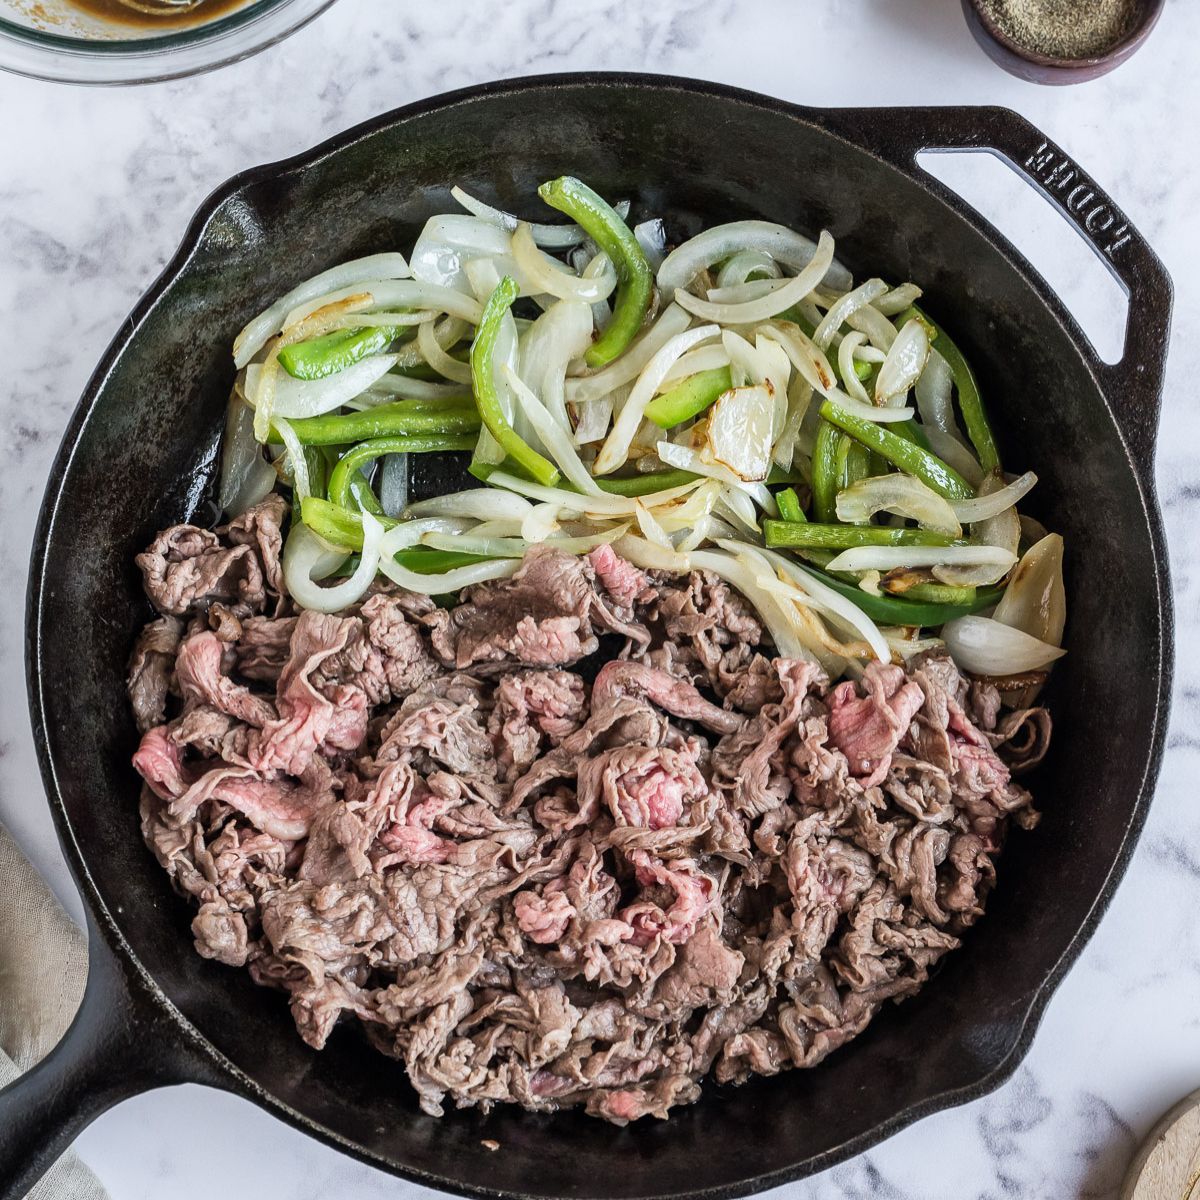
x=156, y=14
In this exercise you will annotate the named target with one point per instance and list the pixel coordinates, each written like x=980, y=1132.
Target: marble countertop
x=96, y=188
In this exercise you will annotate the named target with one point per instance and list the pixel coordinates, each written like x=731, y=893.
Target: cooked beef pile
x=538, y=889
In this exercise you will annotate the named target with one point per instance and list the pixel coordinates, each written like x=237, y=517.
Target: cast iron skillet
x=140, y=449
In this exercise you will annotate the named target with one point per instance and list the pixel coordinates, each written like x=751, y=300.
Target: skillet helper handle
x=1133, y=385
x=117, y=1045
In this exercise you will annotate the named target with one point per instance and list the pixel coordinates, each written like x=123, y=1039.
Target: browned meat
x=537, y=892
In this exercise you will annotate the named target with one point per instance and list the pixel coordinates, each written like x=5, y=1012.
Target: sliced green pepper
x=403, y=418
x=635, y=280
x=906, y=455
x=892, y=610
x=483, y=376
x=689, y=398
x=789, y=506
x=788, y=534
x=969, y=400
x=939, y=593
x=341, y=478
x=825, y=473
x=320, y=357
x=335, y=524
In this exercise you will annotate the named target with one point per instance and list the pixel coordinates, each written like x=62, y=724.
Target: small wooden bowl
x=1027, y=63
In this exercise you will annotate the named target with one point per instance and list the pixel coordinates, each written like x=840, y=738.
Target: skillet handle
x=1133, y=386
x=118, y=1045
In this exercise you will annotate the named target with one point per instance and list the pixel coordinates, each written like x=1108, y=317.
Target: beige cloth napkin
x=43, y=966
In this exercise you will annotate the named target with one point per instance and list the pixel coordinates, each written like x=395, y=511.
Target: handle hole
x=1059, y=252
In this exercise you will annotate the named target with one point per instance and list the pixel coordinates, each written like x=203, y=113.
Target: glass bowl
x=102, y=42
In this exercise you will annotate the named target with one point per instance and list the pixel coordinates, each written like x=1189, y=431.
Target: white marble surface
x=96, y=188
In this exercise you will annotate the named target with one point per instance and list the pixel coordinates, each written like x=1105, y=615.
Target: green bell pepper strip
x=825, y=473
x=635, y=281
x=320, y=357
x=351, y=463
x=398, y=419
x=659, y=481
x=487, y=400
x=941, y=593
x=689, y=398
x=970, y=402
x=892, y=610
x=906, y=455
x=336, y=525
x=782, y=535
x=789, y=506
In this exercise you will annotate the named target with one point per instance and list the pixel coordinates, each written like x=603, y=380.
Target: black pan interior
x=147, y=447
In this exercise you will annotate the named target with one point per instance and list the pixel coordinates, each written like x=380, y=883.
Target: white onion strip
x=555, y=439
x=546, y=275
x=262, y=328
x=604, y=505
x=885, y=558
x=481, y=503
x=983, y=508
x=296, y=398
x=987, y=647
x=305, y=552
x=768, y=306
x=832, y=321
x=429, y=342
x=615, y=450
x=720, y=242
x=625, y=369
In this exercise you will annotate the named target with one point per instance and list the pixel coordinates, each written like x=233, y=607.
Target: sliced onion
x=559, y=336
x=720, y=242
x=850, y=380
x=246, y=477
x=651, y=557
x=297, y=461
x=687, y=458
x=994, y=502
x=935, y=396
x=481, y=503
x=738, y=433
x=435, y=585
x=1002, y=530
x=429, y=341
x=554, y=237
x=449, y=241
x=898, y=299
x=629, y=365
x=594, y=420
x=652, y=531
x=886, y=558
x=875, y=325
x=851, y=302
x=541, y=522
x=799, y=399
x=767, y=306
x=745, y=263
x=652, y=237
x=269, y=322
x=904, y=363
x=983, y=646
x=905, y=641
x=703, y=358
x=615, y=450
x=412, y=294
x=403, y=387
x=901, y=494
x=603, y=506
x=304, y=552
x=741, y=293
x=1035, y=601
x=544, y=274
x=952, y=452
x=555, y=439
x=840, y=610
x=296, y=398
